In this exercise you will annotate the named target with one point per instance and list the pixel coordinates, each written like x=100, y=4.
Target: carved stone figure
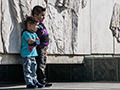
x=115, y=22
x=63, y=30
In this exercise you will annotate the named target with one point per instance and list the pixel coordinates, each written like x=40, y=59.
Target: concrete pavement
x=69, y=86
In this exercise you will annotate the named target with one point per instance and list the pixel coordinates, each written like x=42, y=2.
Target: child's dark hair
x=37, y=10
x=31, y=20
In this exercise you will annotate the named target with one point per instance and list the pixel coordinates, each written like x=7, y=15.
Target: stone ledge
x=65, y=59
x=52, y=59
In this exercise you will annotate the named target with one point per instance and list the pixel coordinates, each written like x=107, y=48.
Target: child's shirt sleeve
x=27, y=36
x=36, y=36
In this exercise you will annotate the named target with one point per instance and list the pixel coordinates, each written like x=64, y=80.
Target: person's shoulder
x=42, y=24
x=26, y=32
x=35, y=33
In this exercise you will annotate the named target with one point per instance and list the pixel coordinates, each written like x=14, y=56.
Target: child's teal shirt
x=28, y=50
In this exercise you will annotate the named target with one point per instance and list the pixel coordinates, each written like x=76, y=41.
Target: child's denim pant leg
x=29, y=69
x=41, y=65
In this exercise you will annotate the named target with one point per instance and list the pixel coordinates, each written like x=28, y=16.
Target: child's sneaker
x=39, y=85
x=31, y=86
x=47, y=84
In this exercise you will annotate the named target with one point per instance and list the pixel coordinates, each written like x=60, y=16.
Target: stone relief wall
x=62, y=19
x=101, y=36
x=65, y=28
x=115, y=21
x=13, y=13
x=75, y=26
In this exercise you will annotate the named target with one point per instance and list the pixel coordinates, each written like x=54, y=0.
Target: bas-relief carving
x=66, y=10
x=6, y=24
x=67, y=24
x=11, y=26
x=115, y=21
x=115, y=26
x=66, y=3
x=1, y=44
x=13, y=14
x=25, y=7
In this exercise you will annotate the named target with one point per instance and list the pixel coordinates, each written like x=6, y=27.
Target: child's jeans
x=29, y=69
x=41, y=64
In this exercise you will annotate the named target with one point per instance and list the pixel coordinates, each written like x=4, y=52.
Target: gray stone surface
x=77, y=72
x=9, y=59
x=101, y=69
x=88, y=70
x=63, y=30
x=102, y=39
x=11, y=30
x=117, y=50
x=105, y=69
x=65, y=72
x=11, y=73
x=15, y=59
x=118, y=69
x=1, y=44
x=54, y=73
x=65, y=59
x=76, y=27
x=59, y=73
x=94, y=69
x=69, y=86
x=80, y=29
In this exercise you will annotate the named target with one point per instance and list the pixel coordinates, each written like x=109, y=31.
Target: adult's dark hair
x=37, y=10
x=31, y=20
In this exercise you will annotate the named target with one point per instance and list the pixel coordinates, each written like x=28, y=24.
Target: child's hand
x=31, y=41
x=37, y=41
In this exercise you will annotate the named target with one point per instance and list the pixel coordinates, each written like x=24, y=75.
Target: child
x=39, y=13
x=28, y=52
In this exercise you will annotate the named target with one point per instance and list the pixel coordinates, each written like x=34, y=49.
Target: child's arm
x=31, y=41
